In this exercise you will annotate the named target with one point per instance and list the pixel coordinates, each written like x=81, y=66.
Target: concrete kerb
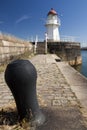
x=77, y=82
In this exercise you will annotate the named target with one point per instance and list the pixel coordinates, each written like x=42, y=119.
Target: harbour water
x=83, y=67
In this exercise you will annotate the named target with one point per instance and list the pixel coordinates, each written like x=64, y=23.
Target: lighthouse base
x=67, y=51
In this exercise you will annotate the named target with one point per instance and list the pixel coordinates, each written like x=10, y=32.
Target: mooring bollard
x=21, y=77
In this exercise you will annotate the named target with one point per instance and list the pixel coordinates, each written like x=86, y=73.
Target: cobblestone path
x=51, y=84
x=5, y=95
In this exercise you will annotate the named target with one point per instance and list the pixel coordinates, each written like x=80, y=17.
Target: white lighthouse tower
x=52, y=26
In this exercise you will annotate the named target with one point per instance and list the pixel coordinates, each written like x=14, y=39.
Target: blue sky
x=26, y=18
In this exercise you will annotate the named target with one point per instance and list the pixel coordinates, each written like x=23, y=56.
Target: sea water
x=83, y=67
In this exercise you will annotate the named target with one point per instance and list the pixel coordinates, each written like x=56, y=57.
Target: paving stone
x=56, y=102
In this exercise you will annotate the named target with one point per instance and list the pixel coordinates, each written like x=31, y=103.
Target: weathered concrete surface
x=57, y=98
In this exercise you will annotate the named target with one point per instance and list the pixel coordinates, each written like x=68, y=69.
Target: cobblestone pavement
x=51, y=84
x=56, y=98
x=5, y=94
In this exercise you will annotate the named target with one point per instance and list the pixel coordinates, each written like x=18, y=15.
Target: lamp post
x=46, y=43
x=35, y=46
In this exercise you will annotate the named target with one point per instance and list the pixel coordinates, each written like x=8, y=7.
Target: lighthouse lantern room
x=52, y=26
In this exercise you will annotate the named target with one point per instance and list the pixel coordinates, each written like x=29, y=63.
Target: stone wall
x=11, y=47
x=40, y=49
x=67, y=51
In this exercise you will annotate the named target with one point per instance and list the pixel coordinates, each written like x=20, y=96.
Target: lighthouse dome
x=52, y=11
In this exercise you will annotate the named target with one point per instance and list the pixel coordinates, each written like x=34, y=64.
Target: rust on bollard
x=21, y=77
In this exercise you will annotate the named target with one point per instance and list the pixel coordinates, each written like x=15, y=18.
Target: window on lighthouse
x=49, y=17
x=55, y=17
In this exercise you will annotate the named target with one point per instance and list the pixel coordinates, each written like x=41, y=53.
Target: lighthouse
x=52, y=26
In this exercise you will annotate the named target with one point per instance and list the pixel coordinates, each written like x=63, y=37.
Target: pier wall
x=67, y=51
x=11, y=47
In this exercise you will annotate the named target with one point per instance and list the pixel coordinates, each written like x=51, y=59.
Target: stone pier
x=61, y=94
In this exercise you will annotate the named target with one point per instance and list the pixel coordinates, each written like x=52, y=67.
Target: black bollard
x=21, y=76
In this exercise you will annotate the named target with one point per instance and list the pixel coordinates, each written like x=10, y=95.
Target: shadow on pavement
x=63, y=119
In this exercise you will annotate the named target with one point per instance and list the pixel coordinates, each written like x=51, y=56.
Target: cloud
x=24, y=17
